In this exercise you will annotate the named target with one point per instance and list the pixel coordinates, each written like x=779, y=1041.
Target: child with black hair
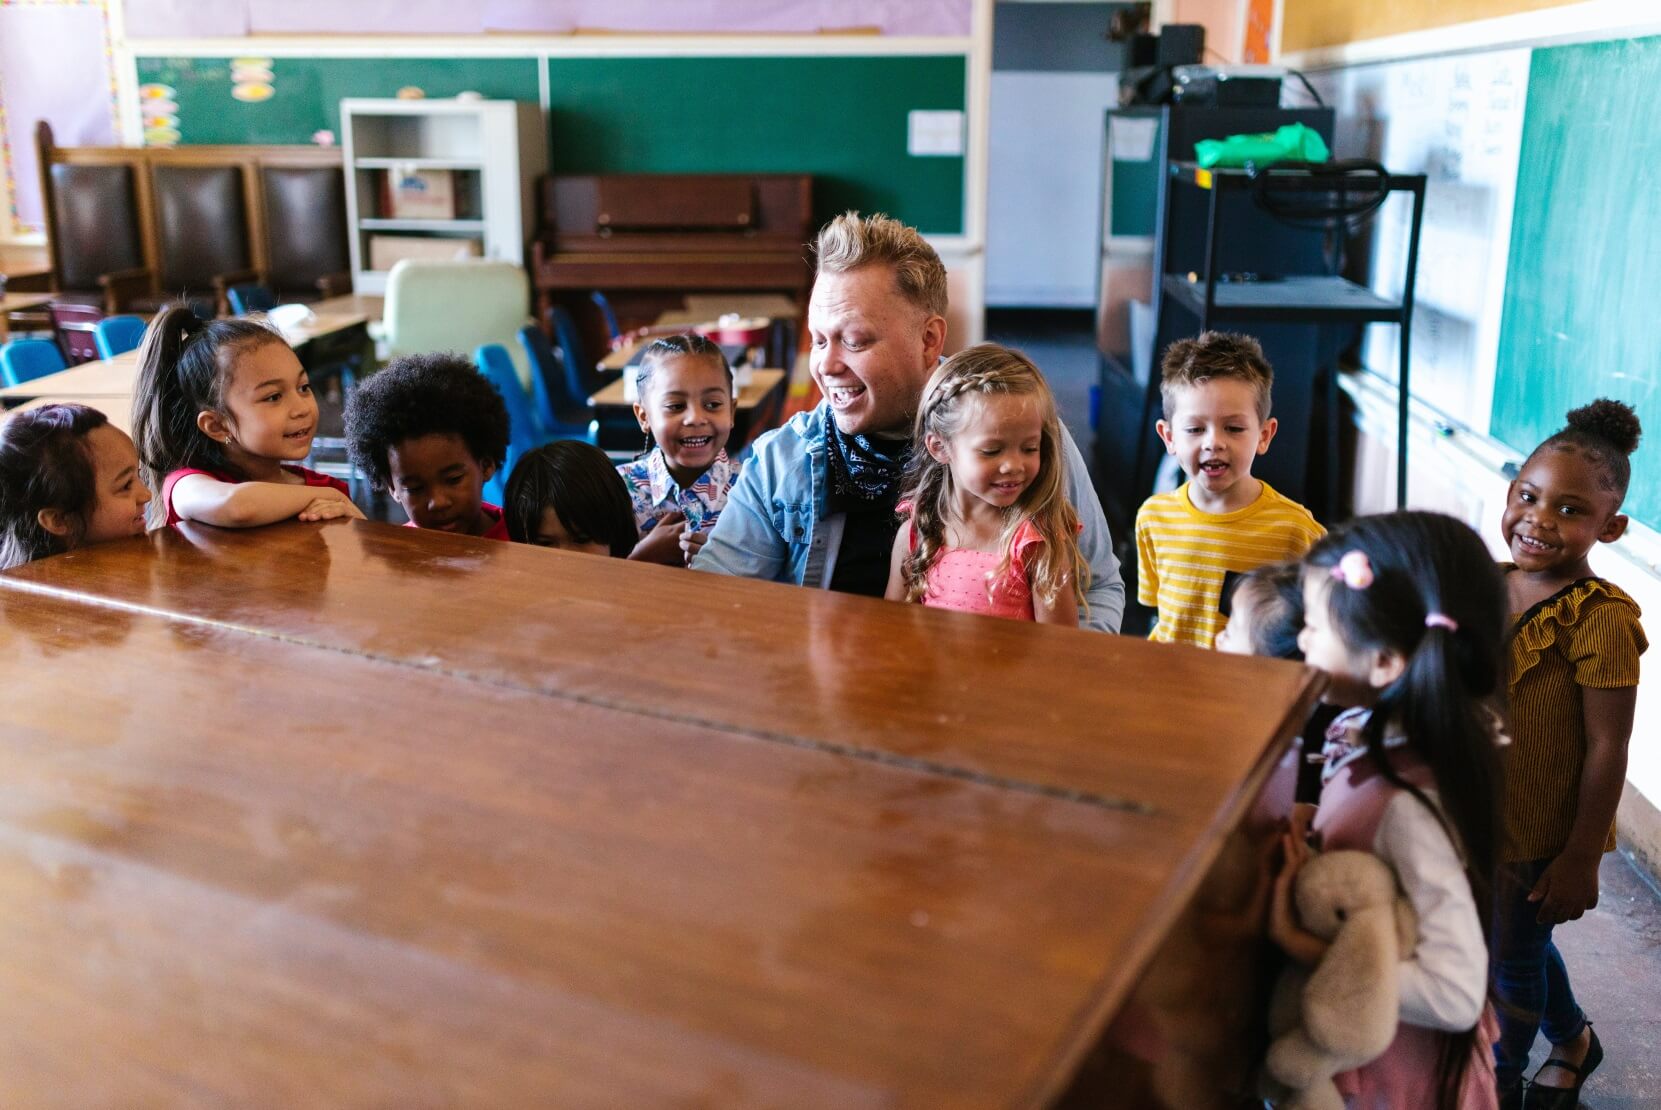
x=679, y=487
x=432, y=430
x=1405, y=613
x=567, y=494
x=68, y=477
x=1573, y=684
x=223, y=414
x=1264, y=608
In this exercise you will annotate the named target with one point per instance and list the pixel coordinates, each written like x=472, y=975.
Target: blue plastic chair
x=606, y=311
x=250, y=297
x=116, y=335
x=563, y=413
x=525, y=430
x=585, y=372
x=24, y=360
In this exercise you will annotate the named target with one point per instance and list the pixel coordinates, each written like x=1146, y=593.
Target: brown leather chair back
x=305, y=220
x=201, y=225
x=95, y=223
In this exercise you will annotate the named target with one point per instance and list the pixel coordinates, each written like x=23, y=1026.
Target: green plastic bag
x=1292, y=143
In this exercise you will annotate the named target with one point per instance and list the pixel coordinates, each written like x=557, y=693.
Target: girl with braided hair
x=990, y=529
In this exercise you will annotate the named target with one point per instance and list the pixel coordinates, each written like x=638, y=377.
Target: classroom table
x=19, y=302
x=117, y=408
x=115, y=377
x=334, y=315
x=755, y=410
x=352, y=813
x=102, y=378
x=703, y=309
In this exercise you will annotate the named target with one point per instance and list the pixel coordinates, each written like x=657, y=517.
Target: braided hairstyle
x=1444, y=701
x=1605, y=433
x=983, y=371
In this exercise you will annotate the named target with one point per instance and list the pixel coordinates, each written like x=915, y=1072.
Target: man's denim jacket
x=775, y=526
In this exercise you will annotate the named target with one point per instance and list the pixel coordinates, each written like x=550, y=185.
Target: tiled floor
x=1613, y=953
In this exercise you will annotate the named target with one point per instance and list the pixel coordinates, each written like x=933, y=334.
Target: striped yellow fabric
x=1183, y=553
x=1585, y=635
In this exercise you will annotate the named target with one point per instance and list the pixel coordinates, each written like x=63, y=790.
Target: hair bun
x=1611, y=421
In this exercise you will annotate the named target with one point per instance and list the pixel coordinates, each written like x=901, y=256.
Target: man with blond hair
x=815, y=503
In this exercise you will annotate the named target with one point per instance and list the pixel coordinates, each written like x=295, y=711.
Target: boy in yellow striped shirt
x=1216, y=393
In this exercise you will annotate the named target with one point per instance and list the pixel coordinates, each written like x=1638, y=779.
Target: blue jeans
x=1531, y=984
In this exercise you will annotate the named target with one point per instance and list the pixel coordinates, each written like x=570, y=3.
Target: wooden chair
x=131, y=227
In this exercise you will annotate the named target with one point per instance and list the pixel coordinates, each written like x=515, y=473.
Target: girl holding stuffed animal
x=1405, y=613
x=991, y=530
x=1575, y=643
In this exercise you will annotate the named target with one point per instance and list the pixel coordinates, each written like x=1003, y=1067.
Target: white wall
x=1044, y=188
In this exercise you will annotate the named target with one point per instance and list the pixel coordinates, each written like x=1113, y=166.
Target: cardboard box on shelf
x=385, y=250
x=412, y=194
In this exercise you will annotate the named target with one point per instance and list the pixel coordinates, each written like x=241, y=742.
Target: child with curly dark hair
x=431, y=430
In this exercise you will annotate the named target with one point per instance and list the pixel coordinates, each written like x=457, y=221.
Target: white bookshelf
x=493, y=149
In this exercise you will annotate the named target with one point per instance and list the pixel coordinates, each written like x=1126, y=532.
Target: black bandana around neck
x=865, y=471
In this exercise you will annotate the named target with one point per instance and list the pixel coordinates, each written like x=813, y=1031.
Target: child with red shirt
x=433, y=431
x=223, y=414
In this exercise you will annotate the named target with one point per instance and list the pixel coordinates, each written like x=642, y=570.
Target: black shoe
x=1564, y=1098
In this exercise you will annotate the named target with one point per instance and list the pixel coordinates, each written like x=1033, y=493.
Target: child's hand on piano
x=330, y=508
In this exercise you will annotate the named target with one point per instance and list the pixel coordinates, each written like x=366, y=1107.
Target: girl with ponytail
x=1573, y=685
x=222, y=414
x=990, y=528
x=1405, y=613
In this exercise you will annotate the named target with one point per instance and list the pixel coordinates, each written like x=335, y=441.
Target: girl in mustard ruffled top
x=1573, y=683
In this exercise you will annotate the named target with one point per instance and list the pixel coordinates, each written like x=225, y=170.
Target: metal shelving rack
x=1293, y=299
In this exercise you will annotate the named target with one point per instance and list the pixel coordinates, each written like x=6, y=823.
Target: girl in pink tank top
x=1405, y=613
x=990, y=529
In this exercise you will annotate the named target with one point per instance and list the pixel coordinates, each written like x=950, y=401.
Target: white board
x=1459, y=120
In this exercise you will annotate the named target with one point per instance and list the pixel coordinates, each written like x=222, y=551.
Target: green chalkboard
x=842, y=119
x=305, y=93
x=1582, y=312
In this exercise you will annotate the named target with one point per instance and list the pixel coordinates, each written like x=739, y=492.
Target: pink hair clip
x=1441, y=620
x=1354, y=570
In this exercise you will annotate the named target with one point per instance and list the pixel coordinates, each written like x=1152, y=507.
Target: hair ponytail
x=182, y=370
x=1436, y=598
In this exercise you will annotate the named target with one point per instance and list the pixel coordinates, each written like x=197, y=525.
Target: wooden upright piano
x=350, y=814
x=647, y=240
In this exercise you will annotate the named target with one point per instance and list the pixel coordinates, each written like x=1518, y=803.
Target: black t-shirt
x=865, y=477
x=867, y=547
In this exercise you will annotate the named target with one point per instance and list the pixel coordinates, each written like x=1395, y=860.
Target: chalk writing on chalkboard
x=1458, y=121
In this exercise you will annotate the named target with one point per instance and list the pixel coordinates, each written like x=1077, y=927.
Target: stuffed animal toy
x=1343, y=1012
